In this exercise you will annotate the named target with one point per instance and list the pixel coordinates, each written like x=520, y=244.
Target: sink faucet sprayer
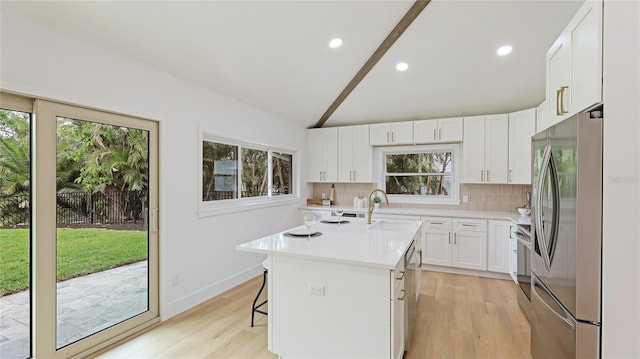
x=386, y=199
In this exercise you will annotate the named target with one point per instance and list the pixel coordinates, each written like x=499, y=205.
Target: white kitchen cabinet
x=436, y=240
x=542, y=116
x=522, y=125
x=354, y=154
x=438, y=130
x=574, y=65
x=398, y=292
x=485, y=149
x=499, y=246
x=513, y=254
x=457, y=242
x=322, y=154
x=394, y=133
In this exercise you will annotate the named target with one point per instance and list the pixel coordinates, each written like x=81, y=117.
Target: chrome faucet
x=386, y=199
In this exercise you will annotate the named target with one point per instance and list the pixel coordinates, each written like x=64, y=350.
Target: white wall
x=200, y=252
x=621, y=208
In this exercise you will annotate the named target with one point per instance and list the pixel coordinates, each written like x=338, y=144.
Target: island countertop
x=381, y=244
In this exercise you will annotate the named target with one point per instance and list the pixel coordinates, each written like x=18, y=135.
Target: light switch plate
x=316, y=289
x=465, y=198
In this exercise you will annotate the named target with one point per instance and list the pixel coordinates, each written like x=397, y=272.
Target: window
x=421, y=174
x=237, y=173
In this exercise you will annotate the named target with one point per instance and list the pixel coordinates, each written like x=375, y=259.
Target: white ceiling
x=274, y=54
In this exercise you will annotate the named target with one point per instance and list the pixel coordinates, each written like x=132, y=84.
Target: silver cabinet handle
x=509, y=179
x=468, y=224
x=481, y=175
x=510, y=232
x=440, y=134
x=420, y=254
x=403, y=294
x=487, y=175
x=354, y=175
x=388, y=137
x=455, y=238
x=436, y=222
x=434, y=134
x=401, y=276
x=391, y=136
x=449, y=237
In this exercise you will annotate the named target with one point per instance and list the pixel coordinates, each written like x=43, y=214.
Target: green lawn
x=80, y=252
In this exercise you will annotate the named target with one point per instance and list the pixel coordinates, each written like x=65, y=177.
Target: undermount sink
x=388, y=225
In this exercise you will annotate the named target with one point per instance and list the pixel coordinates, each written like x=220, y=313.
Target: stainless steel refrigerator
x=566, y=226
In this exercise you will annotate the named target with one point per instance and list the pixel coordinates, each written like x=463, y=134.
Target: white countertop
x=381, y=244
x=513, y=217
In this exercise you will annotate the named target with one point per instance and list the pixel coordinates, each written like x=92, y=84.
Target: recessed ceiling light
x=337, y=42
x=504, y=50
x=402, y=66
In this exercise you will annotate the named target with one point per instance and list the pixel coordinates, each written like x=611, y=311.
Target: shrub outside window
x=424, y=174
x=237, y=171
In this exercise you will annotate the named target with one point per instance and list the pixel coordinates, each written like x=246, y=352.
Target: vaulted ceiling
x=275, y=55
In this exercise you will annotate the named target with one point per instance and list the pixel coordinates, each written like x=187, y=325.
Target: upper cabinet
x=322, y=154
x=574, y=65
x=354, y=154
x=436, y=131
x=485, y=149
x=522, y=125
x=395, y=133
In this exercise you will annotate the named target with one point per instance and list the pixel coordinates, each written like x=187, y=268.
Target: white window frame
x=380, y=153
x=227, y=206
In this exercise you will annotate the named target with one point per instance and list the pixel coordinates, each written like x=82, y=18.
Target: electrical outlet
x=316, y=289
x=465, y=198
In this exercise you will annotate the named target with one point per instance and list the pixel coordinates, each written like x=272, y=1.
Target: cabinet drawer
x=436, y=223
x=470, y=224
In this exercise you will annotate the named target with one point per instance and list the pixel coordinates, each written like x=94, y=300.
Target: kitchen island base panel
x=328, y=310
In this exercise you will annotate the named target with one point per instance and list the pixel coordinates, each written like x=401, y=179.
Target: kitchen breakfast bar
x=343, y=292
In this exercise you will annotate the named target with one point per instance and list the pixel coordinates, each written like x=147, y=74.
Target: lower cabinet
x=454, y=242
x=499, y=246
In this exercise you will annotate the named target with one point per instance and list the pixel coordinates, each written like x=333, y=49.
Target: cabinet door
x=379, y=134
x=322, y=154
x=498, y=246
x=521, y=128
x=437, y=247
x=585, y=30
x=450, y=129
x=362, y=158
x=402, y=133
x=469, y=250
x=473, y=150
x=425, y=131
x=315, y=155
x=346, y=150
x=513, y=254
x=542, y=116
x=496, y=157
x=558, y=70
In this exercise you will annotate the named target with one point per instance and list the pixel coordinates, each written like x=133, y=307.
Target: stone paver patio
x=85, y=304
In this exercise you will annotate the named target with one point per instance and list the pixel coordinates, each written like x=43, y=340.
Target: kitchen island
x=340, y=294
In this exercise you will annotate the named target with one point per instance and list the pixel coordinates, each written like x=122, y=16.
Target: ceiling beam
x=397, y=31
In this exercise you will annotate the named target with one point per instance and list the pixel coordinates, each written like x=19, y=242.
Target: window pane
x=15, y=233
x=254, y=172
x=282, y=168
x=433, y=185
x=428, y=162
x=219, y=171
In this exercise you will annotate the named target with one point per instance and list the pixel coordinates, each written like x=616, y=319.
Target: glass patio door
x=95, y=253
x=15, y=226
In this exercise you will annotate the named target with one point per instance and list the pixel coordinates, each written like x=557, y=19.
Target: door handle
x=558, y=113
x=403, y=294
x=562, y=110
x=434, y=134
x=401, y=276
x=420, y=255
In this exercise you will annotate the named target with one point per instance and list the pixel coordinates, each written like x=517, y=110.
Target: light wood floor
x=458, y=317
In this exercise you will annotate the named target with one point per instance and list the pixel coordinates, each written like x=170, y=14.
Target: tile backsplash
x=482, y=197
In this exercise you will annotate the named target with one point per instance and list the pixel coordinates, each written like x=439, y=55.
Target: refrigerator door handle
x=544, y=167
x=564, y=316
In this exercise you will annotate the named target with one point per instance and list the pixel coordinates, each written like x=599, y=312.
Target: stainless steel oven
x=523, y=274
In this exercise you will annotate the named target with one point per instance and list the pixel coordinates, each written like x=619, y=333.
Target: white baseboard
x=464, y=271
x=192, y=299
